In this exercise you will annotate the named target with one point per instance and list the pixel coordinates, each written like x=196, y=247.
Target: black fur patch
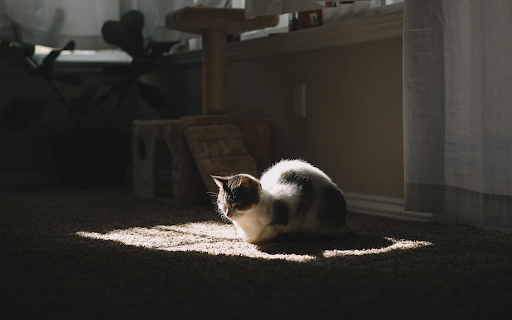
x=241, y=196
x=293, y=177
x=305, y=188
x=333, y=208
x=280, y=214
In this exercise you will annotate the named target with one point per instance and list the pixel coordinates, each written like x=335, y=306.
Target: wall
x=353, y=127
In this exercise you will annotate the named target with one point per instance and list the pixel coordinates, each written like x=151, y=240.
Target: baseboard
x=382, y=206
x=28, y=179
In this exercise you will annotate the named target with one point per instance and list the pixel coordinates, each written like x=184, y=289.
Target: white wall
x=353, y=128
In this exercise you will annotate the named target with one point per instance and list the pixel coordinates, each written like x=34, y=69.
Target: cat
x=292, y=196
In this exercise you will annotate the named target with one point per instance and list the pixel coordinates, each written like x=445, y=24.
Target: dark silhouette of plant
x=118, y=79
x=22, y=110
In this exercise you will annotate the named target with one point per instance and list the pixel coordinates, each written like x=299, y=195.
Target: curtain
x=6, y=26
x=54, y=22
x=457, y=84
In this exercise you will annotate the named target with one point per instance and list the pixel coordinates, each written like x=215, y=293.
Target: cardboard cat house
x=211, y=144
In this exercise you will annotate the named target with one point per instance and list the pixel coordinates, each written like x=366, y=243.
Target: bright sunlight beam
x=217, y=238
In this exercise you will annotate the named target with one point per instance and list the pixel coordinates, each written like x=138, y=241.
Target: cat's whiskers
x=220, y=212
x=212, y=195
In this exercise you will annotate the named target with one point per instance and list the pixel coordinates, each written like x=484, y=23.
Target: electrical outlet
x=299, y=100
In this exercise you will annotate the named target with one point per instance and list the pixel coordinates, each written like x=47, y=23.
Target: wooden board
x=218, y=149
x=195, y=20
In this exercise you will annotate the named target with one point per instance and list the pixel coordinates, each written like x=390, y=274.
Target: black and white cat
x=292, y=196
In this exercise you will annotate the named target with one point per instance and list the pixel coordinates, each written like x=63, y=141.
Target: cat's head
x=237, y=194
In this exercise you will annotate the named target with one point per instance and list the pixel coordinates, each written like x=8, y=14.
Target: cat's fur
x=292, y=197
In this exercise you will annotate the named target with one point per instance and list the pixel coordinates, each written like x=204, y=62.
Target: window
x=191, y=42
x=387, y=2
x=346, y=11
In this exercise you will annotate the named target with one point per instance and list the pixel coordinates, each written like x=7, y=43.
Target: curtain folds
x=458, y=110
x=54, y=22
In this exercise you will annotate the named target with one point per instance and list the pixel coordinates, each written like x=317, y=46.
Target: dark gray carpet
x=104, y=254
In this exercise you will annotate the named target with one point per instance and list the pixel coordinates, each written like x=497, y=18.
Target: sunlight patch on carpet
x=218, y=238
x=397, y=244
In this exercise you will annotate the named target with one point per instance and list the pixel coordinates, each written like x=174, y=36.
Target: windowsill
x=111, y=56
x=383, y=26
x=90, y=62
x=284, y=29
x=388, y=23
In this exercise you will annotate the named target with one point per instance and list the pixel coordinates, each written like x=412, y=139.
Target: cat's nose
x=228, y=214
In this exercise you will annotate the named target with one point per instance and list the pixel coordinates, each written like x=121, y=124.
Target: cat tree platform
x=214, y=24
x=212, y=144
x=199, y=147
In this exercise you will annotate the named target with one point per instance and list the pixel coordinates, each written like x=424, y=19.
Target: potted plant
x=94, y=156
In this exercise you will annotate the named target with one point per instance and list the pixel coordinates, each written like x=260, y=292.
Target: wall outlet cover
x=299, y=100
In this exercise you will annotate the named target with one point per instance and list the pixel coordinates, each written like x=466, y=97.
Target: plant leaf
x=25, y=48
x=121, y=85
x=24, y=111
x=121, y=71
x=68, y=78
x=93, y=96
x=141, y=66
x=133, y=23
x=102, y=94
x=151, y=94
x=114, y=33
x=156, y=49
x=46, y=68
x=129, y=72
x=71, y=45
x=126, y=34
x=21, y=49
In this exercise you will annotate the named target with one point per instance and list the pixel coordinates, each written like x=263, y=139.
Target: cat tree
x=211, y=144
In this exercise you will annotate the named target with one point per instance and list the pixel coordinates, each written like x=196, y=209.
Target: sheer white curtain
x=458, y=110
x=6, y=26
x=54, y=22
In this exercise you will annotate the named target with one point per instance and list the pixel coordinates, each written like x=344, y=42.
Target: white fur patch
x=254, y=225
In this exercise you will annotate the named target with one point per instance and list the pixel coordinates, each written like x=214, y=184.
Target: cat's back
x=306, y=197
x=294, y=171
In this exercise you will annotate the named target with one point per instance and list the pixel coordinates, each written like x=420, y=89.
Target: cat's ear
x=219, y=181
x=249, y=182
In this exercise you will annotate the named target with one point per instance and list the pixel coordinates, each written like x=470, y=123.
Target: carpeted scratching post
x=218, y=144
x=199, y=146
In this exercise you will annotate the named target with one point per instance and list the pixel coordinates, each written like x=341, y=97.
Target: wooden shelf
x=344, y=33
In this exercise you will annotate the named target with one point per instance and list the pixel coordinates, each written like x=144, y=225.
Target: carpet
x=105, y=254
